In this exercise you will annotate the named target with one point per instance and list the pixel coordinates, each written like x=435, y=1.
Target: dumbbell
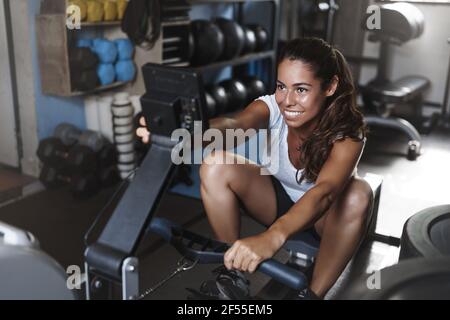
x=81, y=185
x=236, y=94
x=70, y=135
x=78, y=158
x=255, y=88
x=262, y=36
x=220, y=97
x=211, y=106
x=109, y=176
x=107, y=156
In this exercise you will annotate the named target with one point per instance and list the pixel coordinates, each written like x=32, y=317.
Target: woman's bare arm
x=334, y=176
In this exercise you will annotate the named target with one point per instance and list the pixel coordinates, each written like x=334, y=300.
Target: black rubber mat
x=60, y=222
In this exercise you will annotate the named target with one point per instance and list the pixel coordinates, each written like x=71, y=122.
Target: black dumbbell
x=219, y=94
x=262, y=36
x=236, y=94
x=255, y=88
x=107, y=156
x=109, y=176
x=78, y=158
x=70, y=135
x=211, y=106
x=81, y=185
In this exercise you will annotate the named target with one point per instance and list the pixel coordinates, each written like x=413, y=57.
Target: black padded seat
x=402, y=90
x=399, y=23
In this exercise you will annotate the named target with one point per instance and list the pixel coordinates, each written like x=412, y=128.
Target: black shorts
x=284, y=203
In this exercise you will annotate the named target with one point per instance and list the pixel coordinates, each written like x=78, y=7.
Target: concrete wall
x=8, y=138
x=25, y=76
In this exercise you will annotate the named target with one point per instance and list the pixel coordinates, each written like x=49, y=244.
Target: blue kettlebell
x=84, y=43
x=106, y=50
x=106, y=73
x=125, y=49
x=125, y=70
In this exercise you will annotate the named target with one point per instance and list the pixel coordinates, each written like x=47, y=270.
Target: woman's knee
x=214, y=169
x=357, y=200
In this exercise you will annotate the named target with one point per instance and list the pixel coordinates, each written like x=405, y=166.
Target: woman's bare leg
x=223, y=185
x=341, y=229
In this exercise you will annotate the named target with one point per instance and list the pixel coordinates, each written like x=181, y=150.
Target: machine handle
x=175, y=235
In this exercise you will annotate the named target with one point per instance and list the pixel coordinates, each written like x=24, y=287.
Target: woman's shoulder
x=275, y=115
x=357, y=137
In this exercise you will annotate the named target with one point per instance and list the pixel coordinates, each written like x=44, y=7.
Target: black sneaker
x=227, y=285
x=305, y=294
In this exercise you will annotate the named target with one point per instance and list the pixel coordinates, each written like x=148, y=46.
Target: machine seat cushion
x=401, y=90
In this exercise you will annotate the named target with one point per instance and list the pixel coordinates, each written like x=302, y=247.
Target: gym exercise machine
x=174, y=99
x=400, y=23
x=26, y=272
x=423, y=271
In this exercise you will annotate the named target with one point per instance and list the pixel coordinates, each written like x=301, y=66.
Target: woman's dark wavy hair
x=340, y=117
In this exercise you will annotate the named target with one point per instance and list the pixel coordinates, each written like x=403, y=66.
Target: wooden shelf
x=175, y=23
x=227, y=1
x=52, y=41
x=240, y=60
x=101, y=24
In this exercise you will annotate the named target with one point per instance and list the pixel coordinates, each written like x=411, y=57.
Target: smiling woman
x=319, y=137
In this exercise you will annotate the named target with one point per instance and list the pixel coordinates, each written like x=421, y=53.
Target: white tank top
x=286, y=172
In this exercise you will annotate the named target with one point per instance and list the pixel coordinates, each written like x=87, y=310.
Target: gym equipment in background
x=174, y=99
x=81, y=184
x=78, y=158
x=123, y=128
x=232, y=95
x=262, y=36
x=106, y=73
x=95, y=11
x=234, y=38
x=236, y=94
x=125, y=49
x=427, y=234
x=110, y=10
x=423, y=270
x=125, y=70
x=220, y=97
x=250, y=40
x=28, y=273
x=83, y=8
x=83, y=63
x=208, y=40
x=412, y=279
x=255, y=88
x=400, y=23
x=106, y=50
x=70, y=135
x=445, y=118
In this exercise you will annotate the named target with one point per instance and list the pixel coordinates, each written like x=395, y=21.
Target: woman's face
x=299, y=94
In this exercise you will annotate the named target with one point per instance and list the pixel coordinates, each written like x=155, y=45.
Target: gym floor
x=60, y=222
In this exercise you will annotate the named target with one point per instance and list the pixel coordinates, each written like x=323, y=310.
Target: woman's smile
x=293, y=115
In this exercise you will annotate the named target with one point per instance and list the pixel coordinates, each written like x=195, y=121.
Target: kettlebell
x=125, y=49
x=106, y=73
x=110, y=8
x=95, y=11
x=121, y=8
x=106, y=50
x=83, y=7
x=125, y=70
